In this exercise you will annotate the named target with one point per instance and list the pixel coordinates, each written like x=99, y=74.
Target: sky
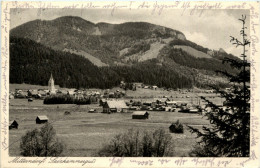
x=209, y=28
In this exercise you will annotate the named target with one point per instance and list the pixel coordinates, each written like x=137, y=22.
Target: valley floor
x=85, y=133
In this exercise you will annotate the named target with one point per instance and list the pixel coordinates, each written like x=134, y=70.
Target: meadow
x=85, y=133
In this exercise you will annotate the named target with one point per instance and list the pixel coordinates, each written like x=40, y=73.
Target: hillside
x=32, y=63
x=103, y=41
x=192, y=51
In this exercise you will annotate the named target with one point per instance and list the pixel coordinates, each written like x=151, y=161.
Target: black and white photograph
x=159, y=82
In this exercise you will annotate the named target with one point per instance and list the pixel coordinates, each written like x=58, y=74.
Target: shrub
x=41, y=142
x=67, y=113
x=176, y=127
x=135, y=143
x=202, y=150
x=30, y=144
x=66, y=99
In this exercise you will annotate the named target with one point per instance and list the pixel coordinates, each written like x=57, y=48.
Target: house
x=13, y=124
x=64, y=92
x=138, y=85
x=41, y=119
x=168, y=109
x=97, y=94
x=43, y=93
x=70, y=92
x=140, y=115
x=102, y=102
x=170, y=103
x=32, y=93
x=115, y=106
x=92, y=111
x=162, y=100
x=155, y=87
x=78, y=96
x=149, y=103
x=111, y=94
x=21, y=94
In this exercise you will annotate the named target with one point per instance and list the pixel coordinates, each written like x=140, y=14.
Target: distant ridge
x=102, y=40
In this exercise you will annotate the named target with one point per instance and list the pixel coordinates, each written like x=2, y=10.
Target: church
x=51, y=85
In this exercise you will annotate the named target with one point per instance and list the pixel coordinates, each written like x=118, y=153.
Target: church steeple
x=51, y=85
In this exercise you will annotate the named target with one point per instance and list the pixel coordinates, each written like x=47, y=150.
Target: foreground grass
x=85, y=133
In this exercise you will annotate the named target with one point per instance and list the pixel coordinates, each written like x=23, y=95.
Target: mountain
x=103, y=41
x=103, y=54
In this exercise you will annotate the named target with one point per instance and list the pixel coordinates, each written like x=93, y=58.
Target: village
x=111, y=101
x=107, y=113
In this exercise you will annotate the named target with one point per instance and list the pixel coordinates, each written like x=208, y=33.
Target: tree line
x=33, y=63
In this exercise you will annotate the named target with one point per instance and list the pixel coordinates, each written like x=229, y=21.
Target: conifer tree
x=229, y=132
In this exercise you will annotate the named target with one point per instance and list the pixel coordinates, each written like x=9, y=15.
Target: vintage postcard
x=130, y=84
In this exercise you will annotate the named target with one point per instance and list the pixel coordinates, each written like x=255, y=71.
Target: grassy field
x=84, y=133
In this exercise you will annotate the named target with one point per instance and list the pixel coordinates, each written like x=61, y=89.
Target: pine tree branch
x=238, y=64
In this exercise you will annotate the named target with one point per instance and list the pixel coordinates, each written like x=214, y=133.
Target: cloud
x=200, y=38
x=233, y=50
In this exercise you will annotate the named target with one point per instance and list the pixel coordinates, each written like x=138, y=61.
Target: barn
x=113, y=106
x=41, y=119
x=140, y=115
x=13, y=124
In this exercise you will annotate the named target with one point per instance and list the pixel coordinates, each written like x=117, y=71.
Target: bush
x=176, y=127
x=67, y=113
x=41, y=142
x=66, y=99
x=202, y=150
x=135, y=143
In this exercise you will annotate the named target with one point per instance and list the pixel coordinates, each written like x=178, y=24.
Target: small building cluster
x=39, y=120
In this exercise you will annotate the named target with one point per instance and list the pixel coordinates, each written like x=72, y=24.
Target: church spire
x=51, y=85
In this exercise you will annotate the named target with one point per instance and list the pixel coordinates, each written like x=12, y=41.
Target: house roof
x=63, y=91
x=161, y=99
x=43, y=117
x=116, y=104
x=149, y=101
x=70, y=91
x=103, y=100
x=13, y=122
x=140, y=113
x=33, y=91
x=41, y=92
x=171, y=102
